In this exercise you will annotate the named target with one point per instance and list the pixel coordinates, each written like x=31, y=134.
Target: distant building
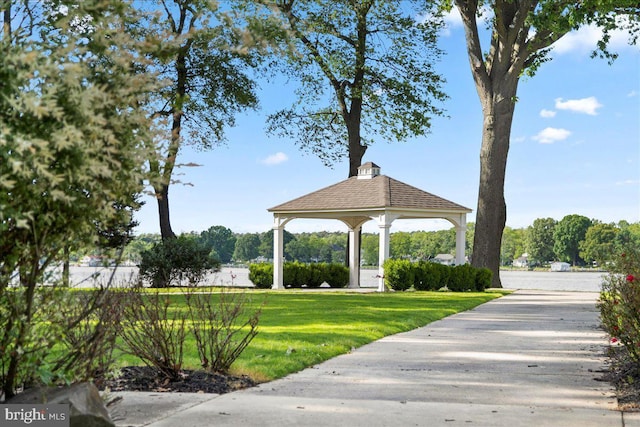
x=560, y=266
x=522, y=261
x=446, y=259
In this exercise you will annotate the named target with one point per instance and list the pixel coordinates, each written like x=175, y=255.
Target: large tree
x=520, y=34
x=71, y=158
x=365, y=70
x=198, y=52
x=539, y=240
x=568, y=236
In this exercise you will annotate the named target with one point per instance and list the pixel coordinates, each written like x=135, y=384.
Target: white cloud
x=585, y=105
x=584, y=40
x=275, y=159
x=628, y=182
x=547, y=113
x=632, y=94
x=551, y=135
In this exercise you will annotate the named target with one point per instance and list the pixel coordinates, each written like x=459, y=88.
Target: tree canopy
x=365, y=71
x=196, y=51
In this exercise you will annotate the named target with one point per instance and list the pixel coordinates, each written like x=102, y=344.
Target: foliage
x=90, y=331
x=540, y=240
x=567, y=235
x=398, y=274
x=71, y=153
x=401, y=274
x=337, y=275
x=221, y=240
x=191, y=46
x=365, y=69
x=69, y=337
x=599, y=243
x=261, y=275
x=221, y=326
x=619, y=302
x=512, y=246
x=297, y=275
x=172, y=261
x=154, y=328
x=483, y=279
x=462, y=278
x=247, y=247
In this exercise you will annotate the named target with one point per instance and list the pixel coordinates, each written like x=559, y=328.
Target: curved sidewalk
x=532, y=358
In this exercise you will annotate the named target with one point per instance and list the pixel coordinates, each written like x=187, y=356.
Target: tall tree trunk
x=491, y=214
x=162, y=195
x=496, y=75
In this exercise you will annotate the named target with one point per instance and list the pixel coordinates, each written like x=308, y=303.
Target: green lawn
x=299, y=329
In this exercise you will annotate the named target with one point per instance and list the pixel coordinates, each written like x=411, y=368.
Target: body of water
x=543, y=280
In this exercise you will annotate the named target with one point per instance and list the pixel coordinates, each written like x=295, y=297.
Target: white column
x=278, y=252
x=461, y=230
x=354, y=257
x=383, y=251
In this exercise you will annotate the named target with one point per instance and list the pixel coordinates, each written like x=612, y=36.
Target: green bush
x=462, y=278
x=619, y=302
x=483, y=279
x=398, y=274
x=317, y=274
x=172, y=261
x=427, y=276
x=444, y=274
x=261, y=275
x=337, y=275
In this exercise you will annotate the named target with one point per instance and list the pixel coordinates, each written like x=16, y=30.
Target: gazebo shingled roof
x=362, y=198
x=378, y=192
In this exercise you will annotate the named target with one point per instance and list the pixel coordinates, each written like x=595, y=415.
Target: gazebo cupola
x=356, y=200
x=368, y=170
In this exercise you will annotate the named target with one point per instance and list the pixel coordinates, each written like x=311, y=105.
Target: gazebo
x=356, y=200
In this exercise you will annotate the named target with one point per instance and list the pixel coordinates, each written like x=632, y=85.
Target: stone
x=86, y=407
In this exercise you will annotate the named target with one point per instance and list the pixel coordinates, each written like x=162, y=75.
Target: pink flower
x=614, y=340
x=630, y=278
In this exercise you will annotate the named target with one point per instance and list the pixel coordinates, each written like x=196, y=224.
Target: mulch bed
x=143, y=378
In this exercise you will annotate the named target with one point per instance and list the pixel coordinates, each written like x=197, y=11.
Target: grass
x=299, y=329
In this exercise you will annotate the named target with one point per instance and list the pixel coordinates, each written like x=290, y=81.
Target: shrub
x=297, y=274
x=317, y=274
x=619, y=302
x=337, y=275
x=483, y=279
x=172, y=261
x=261, y=275
x=427, y=276
x=222, y=328
x=398, y=274
x=462, y=278
x=444, y=274
x=153, y=330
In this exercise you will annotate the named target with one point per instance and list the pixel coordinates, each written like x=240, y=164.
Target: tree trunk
x=162, y=195
x=491, y=215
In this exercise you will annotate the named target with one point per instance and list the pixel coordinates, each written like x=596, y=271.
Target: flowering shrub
x=619, y=302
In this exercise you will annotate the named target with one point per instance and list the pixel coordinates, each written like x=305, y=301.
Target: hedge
x=297, y=275
x=401, y=275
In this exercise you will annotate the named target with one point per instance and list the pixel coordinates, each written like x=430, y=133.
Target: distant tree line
x=575, y=239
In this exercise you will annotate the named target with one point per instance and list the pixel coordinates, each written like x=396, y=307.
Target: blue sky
x=575, y=149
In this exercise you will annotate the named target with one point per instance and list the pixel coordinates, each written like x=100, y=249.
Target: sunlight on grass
x=299, y=329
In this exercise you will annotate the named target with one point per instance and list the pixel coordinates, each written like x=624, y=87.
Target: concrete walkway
x=532, y=358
